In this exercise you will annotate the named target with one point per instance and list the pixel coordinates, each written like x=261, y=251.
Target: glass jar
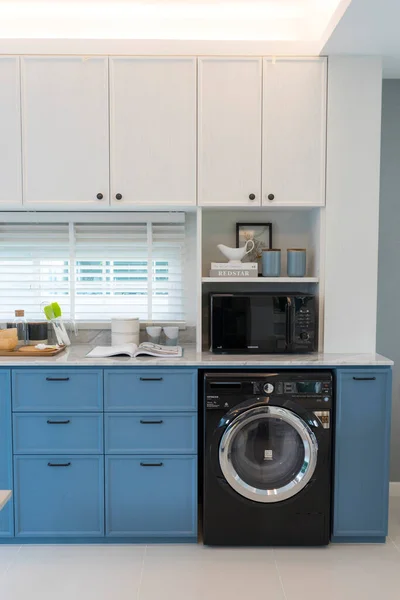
x=21, y=324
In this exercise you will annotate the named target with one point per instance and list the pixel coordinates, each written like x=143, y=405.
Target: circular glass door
x=268, y=454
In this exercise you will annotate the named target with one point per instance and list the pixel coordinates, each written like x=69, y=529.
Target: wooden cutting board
x=32, y=351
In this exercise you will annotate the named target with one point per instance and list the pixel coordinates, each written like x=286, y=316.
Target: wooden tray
x=31, y=351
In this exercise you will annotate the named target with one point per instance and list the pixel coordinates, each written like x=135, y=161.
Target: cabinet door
x=294, y=126
x=65, y=131
x=6, y=479
x=361, y=485
x=153, y=131
x=59, y=496
x=151, y=496
x=229, y=130
x=10, y=128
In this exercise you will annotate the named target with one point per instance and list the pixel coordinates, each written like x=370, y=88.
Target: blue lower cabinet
x=160, y=389
x=151, y=496
x=59, y=496
x=58, y=433
x=6, y=478
x=362, y=447
x=150, y=433
x=57, y=390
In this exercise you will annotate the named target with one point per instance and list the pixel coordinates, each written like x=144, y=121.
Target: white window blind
x=95, y=271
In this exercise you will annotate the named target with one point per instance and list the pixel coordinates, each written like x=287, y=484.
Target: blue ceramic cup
x=296, y=262
x=271, y=262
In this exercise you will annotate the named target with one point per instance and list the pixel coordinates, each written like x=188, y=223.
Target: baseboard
x=394, y=488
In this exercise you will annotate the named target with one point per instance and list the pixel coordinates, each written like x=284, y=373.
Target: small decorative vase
x=271, y=262
x=296, y=262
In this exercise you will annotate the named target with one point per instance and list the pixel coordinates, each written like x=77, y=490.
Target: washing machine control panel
x=307, y=388
x=268, y=388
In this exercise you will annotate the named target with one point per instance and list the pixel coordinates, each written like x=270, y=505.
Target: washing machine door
x=268, y=454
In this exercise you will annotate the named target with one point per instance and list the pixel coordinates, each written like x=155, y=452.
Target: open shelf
x=260, y=279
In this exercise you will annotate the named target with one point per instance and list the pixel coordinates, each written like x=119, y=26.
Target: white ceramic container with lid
x=125, y=331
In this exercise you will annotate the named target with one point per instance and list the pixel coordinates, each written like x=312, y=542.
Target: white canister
x=125, y=331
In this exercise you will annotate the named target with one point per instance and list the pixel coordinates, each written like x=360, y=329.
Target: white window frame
x=71, y=218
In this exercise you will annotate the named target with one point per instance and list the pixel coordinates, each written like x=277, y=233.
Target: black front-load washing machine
x=267, y=458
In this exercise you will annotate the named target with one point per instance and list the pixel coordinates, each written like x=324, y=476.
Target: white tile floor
x=188, y=572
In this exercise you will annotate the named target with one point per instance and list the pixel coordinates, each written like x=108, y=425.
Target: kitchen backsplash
x=102, y=337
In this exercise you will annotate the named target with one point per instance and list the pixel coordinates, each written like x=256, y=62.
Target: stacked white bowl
x=125, y=331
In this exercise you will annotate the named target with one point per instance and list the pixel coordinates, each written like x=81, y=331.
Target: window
x=95, y=271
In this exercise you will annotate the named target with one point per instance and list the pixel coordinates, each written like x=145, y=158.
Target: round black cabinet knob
x=271, y=196
x=99, y=196
x=252, y=196
x=118, y=196
x=304, y=336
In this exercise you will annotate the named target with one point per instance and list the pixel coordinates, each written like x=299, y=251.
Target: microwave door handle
x=290, y=312
x=292, y=322
x=287, y=325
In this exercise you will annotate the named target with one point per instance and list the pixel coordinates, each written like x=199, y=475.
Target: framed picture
x=260, y=233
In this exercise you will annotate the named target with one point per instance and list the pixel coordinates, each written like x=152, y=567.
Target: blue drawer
x=59, y=496
x=150, y=433
x=151, y=496
x=57, y=390
x=58, y=433
x=150, y=389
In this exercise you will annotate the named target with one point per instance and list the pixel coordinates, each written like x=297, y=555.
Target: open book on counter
x=132, y=350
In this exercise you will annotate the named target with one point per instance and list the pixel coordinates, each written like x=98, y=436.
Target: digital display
x=310, y=387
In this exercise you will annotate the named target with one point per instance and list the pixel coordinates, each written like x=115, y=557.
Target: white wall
x=388, y=326
x=352, y=203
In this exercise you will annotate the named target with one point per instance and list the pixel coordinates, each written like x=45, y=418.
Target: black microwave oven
x=259, y=323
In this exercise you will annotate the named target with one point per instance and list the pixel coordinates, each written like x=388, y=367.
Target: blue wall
x=388, y=323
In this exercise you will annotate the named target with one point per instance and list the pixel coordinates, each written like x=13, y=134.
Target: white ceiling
x=243, y=20
x=363, y=27
x=369, y=27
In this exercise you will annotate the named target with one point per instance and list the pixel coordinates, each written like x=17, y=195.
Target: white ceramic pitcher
x=235, y=255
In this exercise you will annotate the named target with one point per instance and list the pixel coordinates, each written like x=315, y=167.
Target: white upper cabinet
x=10, y=133
x=153, y=131
x=65, y=132
x=229, y=131
x=294, y=126
x=219, y=131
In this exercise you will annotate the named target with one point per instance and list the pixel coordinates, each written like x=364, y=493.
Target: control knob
x=304, y=336
x=268, y=388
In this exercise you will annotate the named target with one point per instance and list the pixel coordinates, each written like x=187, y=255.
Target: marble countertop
x=76, y=356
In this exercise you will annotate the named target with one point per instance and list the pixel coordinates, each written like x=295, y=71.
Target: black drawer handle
x=151, y=379
x=364, y=378
x=68, y=464
x=160, y=464
x=57, y=378
x=58, y=422
x=151, y=422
